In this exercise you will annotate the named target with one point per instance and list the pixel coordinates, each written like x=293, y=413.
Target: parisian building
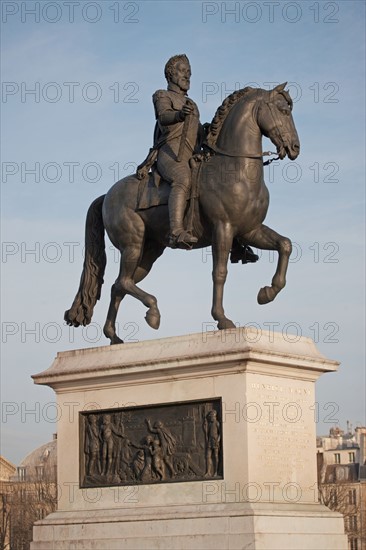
x=341, y=460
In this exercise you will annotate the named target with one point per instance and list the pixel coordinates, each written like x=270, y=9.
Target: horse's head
x=276, y=122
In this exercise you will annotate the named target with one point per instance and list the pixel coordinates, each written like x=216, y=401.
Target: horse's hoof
x=152, y=318
x=225, y=324
x=266, y=295
x=116, y=340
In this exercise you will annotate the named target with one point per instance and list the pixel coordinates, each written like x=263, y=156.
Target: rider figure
x=178, y=136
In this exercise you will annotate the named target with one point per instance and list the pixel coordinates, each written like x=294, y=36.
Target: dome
x=40, y=464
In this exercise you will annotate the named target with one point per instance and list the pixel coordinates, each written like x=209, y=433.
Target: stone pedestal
x=266, y=497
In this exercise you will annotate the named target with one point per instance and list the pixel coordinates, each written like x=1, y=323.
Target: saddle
x=154, y=190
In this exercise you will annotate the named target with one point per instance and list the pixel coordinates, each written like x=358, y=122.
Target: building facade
x=341, y=459
x=27, y=493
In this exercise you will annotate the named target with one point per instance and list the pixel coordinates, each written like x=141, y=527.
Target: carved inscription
x=283, y=431
x=153, y=444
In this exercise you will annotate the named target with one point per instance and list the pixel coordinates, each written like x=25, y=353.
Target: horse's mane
x=224, y=109
x=222, y=112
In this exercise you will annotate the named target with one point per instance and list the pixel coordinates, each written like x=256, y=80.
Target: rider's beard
x=183, y=84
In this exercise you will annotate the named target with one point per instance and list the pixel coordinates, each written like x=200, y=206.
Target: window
x=40, y=513
x=353, y=544
x=40, y=472
x=353, y=523
x=352, y=496
x=351, y=457
x=337, y=458
x=333, y=501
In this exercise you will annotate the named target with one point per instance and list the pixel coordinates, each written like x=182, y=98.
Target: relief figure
x=213, y=438
x=167, y=441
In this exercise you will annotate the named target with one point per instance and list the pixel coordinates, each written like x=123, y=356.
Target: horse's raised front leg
x=123, y=286
x=266, y=238
x=221, y=245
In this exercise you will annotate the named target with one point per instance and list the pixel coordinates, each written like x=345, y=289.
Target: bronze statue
x=228, y=202
x=178, y=136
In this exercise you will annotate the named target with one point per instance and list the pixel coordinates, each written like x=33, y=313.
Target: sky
x=77, y=115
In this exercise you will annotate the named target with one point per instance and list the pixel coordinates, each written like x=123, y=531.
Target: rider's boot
x=179, y=237
x=242, y=253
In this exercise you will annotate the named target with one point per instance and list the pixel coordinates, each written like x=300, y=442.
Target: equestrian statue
x=199, y=186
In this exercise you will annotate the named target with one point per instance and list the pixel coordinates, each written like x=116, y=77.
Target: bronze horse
x=232, y=204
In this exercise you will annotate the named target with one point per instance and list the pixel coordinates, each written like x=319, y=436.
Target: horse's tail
x=95, y=260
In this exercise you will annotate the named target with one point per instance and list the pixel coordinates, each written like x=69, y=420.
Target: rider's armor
x=173, y=158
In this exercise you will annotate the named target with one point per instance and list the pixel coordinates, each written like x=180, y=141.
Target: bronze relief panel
x=151, y=444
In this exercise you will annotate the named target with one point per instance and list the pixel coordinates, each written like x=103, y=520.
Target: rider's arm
x=164, y=111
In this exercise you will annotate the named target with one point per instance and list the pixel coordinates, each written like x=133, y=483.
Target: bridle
x=279, y=130
x=278, y=127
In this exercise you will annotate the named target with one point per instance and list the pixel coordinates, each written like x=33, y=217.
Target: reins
x=217, y=150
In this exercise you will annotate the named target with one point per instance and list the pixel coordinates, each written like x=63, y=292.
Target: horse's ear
x=280, y=87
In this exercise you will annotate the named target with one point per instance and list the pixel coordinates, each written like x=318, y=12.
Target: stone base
x=266, y=497
x=211, y=527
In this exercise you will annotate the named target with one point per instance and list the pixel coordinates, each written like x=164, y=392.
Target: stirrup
x=183, y=240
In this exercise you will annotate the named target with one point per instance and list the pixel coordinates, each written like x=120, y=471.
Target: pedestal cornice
x=193, y=355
